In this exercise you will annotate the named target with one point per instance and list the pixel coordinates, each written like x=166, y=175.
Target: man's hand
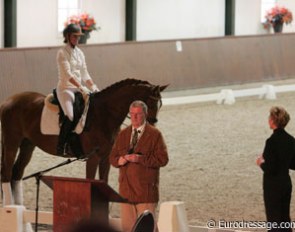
x=122, y=161
x=260, y=160
x=133, y=158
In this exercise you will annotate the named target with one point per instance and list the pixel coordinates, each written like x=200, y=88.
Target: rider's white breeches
x=66, y=99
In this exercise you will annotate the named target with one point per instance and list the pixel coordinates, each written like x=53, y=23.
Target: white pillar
x=172, y=217
x=226, y=97
x=269, y=92
x=11, y=218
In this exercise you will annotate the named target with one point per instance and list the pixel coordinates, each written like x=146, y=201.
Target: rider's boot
x=65, y=130
x=75, y=146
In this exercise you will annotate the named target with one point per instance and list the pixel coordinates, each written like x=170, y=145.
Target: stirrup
x=68, y=151
x=60, y=151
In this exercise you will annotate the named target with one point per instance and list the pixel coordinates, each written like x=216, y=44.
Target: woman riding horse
x=72, y=70
x=20, y=118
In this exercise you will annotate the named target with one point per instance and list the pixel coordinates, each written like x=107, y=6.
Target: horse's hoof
x=81, y=156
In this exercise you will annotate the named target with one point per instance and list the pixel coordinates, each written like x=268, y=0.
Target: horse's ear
x=163, y=87
x=156, y=89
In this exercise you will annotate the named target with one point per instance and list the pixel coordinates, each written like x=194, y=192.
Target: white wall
x=247, y=17
x=174, y=19
x=156, y=20
x=37, y=22
x=110, y=16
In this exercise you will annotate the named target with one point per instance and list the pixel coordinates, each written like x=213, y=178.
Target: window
x=265, y=6
x=67, y=8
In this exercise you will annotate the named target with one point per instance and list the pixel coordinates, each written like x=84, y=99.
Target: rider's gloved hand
x=84, y=90
x=94, y=89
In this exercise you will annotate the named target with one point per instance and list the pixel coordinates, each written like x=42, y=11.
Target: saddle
x=68, y=141
x=52, y=114
x=78, y=107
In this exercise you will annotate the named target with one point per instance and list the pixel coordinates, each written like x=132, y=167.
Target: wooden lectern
x=75, y=199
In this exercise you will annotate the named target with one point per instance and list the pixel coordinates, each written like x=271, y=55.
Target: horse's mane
x=126, y=82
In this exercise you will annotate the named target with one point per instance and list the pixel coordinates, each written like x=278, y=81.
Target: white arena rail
x=228, y=96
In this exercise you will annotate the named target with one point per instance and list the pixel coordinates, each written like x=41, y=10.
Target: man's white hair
x=141, y=104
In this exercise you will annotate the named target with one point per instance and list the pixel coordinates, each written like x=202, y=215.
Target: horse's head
x=126, y=91
x=154, y=103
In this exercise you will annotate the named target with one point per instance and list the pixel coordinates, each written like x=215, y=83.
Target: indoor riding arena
x=212, y=147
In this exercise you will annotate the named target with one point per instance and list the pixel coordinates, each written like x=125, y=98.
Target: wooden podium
x=75, y=199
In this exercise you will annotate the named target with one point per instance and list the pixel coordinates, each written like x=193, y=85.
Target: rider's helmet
x=71, y=29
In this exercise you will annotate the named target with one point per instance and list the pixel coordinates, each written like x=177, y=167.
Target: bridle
x=153, y=120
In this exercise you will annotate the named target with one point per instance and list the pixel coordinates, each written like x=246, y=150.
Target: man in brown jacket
x=139, y=152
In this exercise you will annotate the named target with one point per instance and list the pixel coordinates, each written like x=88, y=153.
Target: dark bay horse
x=20, y=129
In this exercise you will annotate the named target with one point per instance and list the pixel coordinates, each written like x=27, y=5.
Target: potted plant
x=276, y=17
x=86, y=22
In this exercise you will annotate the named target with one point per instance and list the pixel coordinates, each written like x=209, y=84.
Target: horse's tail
x=2, y=140
x=2, y=146
x=1, y=109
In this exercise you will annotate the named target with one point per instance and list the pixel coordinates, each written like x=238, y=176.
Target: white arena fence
x=228, y=96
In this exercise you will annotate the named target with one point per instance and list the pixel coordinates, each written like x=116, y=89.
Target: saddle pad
x=50, y=118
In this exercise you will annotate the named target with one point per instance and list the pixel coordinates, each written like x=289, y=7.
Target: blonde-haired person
x=277, y=158
x=72, y=74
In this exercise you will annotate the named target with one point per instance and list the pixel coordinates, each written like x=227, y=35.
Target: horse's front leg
x=95, y=161
x=91, y=166
x=7, y=161
x=104, y=168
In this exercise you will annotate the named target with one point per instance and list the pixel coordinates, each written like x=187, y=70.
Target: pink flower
x=84, y=20
x=276, y=15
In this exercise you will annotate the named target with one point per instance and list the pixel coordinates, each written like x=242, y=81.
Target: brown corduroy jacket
x=139, y=182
